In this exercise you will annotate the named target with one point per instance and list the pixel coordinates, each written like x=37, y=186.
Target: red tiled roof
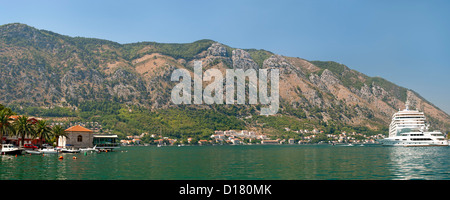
x=14, y=116
x=78, y=128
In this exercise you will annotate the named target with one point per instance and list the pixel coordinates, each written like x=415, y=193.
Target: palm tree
x=43, y=131
x=58, y=131
x=5, y=124
x=23, y=127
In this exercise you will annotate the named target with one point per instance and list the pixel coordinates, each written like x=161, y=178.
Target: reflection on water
x=419, y=162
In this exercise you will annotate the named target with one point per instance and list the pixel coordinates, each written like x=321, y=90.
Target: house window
x=80, y=138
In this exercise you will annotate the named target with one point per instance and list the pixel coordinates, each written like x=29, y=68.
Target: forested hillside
x=127, y=87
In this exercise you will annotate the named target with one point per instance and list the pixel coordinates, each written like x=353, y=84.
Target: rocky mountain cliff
x=45, y=69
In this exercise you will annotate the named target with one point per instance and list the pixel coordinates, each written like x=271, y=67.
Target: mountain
x=46, y=73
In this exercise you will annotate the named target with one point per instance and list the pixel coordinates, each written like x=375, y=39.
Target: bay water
x=228, y=162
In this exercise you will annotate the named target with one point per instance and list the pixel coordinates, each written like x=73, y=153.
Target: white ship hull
x=425, y=139
x=387, y=142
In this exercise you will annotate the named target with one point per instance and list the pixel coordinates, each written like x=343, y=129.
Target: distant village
x=239, y=137
x=243, y=137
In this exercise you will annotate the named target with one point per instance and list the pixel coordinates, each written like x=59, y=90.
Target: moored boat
x=33, y=152
x=8, y=149
x=70, y=151
x=89, y=149
x=49, y=151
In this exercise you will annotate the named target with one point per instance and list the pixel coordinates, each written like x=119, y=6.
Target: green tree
x=43, y=131
x=23, y=127
x=5, y=124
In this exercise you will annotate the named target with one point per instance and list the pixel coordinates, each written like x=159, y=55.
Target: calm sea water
x=285, y=162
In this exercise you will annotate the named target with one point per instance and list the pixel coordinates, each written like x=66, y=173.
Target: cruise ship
x=408, y=128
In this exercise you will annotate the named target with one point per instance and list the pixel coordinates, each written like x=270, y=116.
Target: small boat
x=70, y=151
x=89, y=149
x=350, y=145
x=10, y=149
x=33, y=152
x=49, y=151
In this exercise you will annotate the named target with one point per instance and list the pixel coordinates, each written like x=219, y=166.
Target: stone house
x=77, y=137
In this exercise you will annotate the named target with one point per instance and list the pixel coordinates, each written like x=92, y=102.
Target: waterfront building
x=202, y=142
x=291, y=141
x=77, y=137
x=125, y=142
x=81, y=137
x=108, y=141
x=235, y=141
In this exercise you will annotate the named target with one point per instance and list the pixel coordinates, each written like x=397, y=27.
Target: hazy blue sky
x=405, y=42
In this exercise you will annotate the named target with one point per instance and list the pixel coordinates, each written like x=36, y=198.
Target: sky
x=405, y=42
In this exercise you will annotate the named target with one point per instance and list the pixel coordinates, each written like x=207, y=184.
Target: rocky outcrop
x=328, y=78
x=281, y=63
x=217, y=53
x=242, y=60
x=326, y=81
x=217, y=49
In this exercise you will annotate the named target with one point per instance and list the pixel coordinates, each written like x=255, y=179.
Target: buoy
x=16, y=155
x=74, y=157
x=61, y=157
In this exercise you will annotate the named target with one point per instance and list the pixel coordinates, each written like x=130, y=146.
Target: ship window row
x=410, y=116
x=420, y=139
x=409, y=124
x=406, y=134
